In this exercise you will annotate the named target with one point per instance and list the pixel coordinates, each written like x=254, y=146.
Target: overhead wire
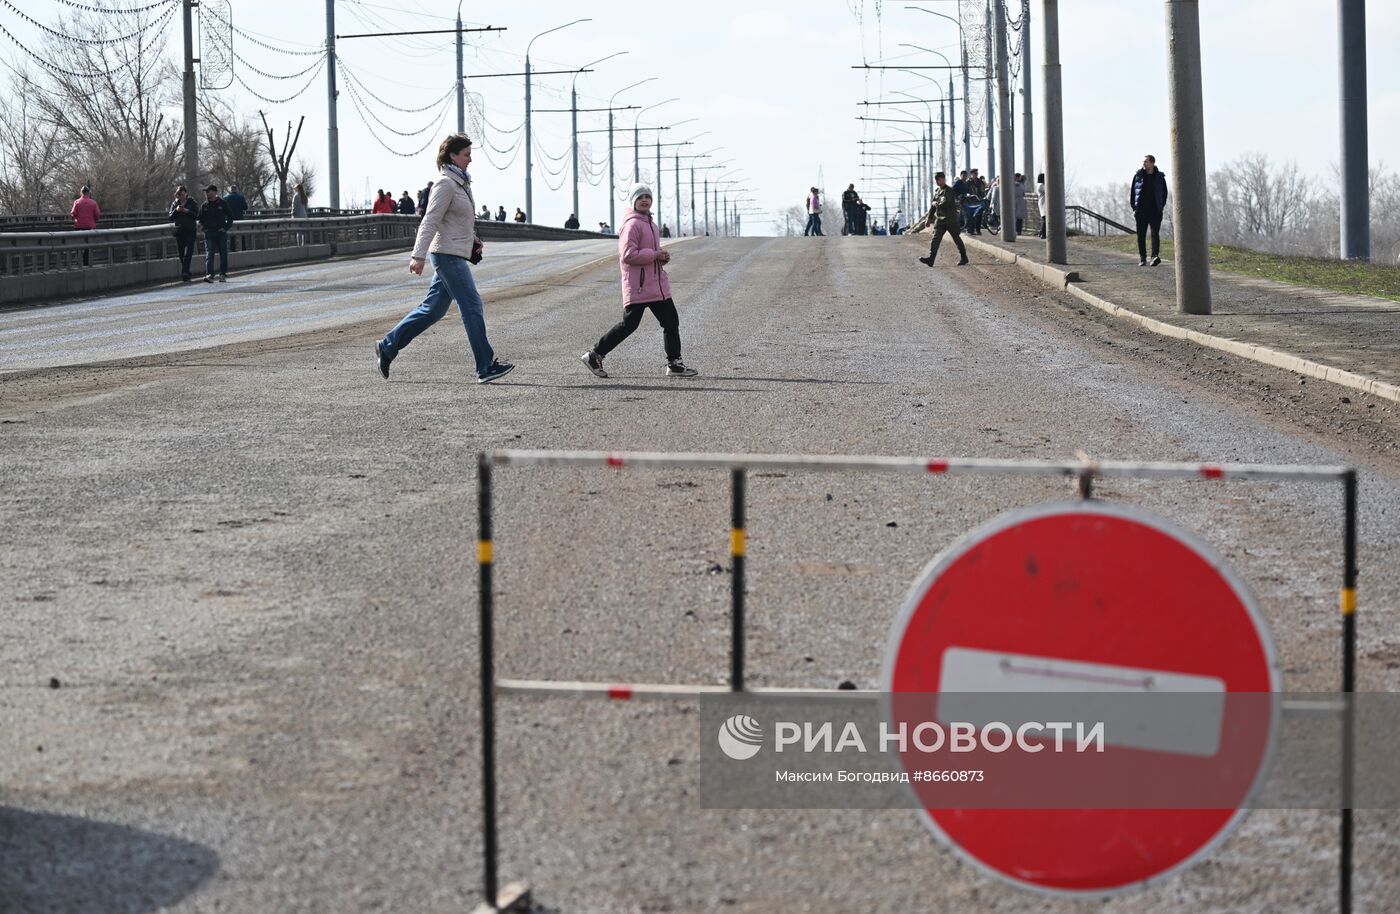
x=281, y=101
x=94, y=41
x=350, y=88
x=355, y=101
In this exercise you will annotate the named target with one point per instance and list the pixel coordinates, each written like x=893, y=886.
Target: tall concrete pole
x=637, y=150
x=1356, y=204
x=1027, y=124
x=573, y=112
x=1190, y=228
x=706, y=197
x=1056, y=242
x=461, y=92
x=967, y=112
x=657, y=189
x=333, y=129
x=990, y=108
x=612, y=189
x=677, y=172
x=692, y=198
x=191, y=115
x=529, y=160
x=1007, y=163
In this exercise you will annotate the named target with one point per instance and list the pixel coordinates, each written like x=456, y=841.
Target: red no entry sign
x=1090, y=602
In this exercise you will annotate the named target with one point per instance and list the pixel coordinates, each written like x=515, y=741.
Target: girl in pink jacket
x=644, y=285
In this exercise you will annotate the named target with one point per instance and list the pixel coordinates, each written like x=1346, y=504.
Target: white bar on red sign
x=981, y=687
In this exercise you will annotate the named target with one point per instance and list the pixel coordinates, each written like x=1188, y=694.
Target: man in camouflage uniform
x=943, y=216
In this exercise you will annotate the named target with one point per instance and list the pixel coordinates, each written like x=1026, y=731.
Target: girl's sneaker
x=594, y=362
x=677, y=369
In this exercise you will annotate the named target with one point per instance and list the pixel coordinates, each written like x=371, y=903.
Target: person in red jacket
x=644, y=285
x=85, y=212
x=383, y=203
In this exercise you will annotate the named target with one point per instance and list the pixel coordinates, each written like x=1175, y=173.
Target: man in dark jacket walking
x=184, y=213
x=849, y=200
x=1147, y=195
x=943, y=216
x=215, y=219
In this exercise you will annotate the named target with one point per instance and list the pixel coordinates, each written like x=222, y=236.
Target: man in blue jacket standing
x=1148, y=197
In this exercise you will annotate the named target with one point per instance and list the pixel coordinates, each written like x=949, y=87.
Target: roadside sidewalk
x=1351, y=340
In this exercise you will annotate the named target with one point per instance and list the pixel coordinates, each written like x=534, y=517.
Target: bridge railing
x=1084, y=221
x=24, y=253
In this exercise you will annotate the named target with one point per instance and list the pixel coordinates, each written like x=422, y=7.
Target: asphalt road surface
x=256, y=305
x=250, y=571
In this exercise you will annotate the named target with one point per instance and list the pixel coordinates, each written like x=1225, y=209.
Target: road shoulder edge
x=1069, y=281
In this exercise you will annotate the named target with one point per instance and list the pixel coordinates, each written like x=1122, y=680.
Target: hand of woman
x=415, y=266
x=663, y=256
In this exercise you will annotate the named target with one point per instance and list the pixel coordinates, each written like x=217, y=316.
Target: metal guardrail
x=1077, y=217
x=51, y=252
x=23, y=253
x=62, y=222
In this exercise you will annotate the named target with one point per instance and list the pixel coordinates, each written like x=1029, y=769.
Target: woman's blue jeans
x=452, y=281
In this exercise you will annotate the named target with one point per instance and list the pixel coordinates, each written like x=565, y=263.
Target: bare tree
x=106, y=97
x=232, y=149
x=30, y=152
x=282, y=161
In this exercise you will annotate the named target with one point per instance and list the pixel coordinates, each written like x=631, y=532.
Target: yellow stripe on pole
x=737, y=541
x=1348, y=601
x=483, y=552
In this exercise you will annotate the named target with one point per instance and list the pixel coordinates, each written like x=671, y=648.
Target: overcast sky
x=771, y=83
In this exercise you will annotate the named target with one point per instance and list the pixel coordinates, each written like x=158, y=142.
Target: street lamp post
x=529, y=161
x=612, y=171
x=967, y=111
x=573, y=112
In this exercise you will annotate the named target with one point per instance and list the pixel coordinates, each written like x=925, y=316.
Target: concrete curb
x=1068, y=281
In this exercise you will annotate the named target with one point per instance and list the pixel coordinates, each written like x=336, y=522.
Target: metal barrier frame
x=1082, y=471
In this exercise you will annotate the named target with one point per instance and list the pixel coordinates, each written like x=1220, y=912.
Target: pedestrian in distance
x=301, y=209
x=1040, y=201
x=383, y=204
x=977, y=187
x=85, y=213
x=814, y=213
x=301, y=205
x=215, y=219
x=501, y=214
x=447, y=237
x=897, y=223
x=519, y=215
x=184, y=215
x=237, y=208
x=1018, y=201
x=943, y=216
x=849, y=199
x=571, y=222
x=423, y=200
x=237, y=203
x=1147, y=195
x=960, y=190
x=485, y=213
x=406, y=207
x=645, y=285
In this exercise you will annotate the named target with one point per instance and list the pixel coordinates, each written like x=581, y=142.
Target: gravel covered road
x=250, y=571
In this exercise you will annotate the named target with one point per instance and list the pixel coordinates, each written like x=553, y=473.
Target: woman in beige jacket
x=447, y=236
